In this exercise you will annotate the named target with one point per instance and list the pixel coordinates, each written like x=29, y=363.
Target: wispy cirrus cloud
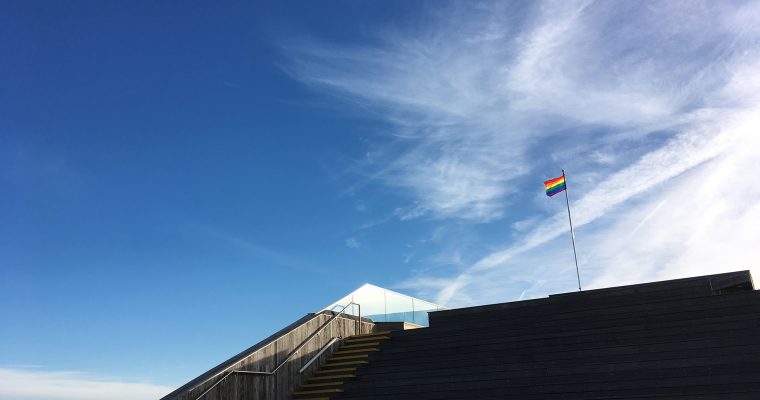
x=353, y=243
x=702, y=224
x=633, y=97
x=25, y=384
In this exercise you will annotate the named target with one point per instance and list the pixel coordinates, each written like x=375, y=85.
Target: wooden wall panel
x=287, y=379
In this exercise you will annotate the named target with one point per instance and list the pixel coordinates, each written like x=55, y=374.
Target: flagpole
x=572, y=233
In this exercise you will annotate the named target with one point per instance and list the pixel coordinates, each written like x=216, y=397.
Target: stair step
x=359, y=345
x=369, y=334
x=335, y=364
x=320, y=391
x=351, y=351
x=316, y=398
x=343, y=358
x=331, y=371
x=367, y=339
x=321, y=384
x=324, y=378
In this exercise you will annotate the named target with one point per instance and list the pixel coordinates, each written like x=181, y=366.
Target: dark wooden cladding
x=266, y=358
x=685, y=339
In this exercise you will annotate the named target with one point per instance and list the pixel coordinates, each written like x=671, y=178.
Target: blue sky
x=181, y=179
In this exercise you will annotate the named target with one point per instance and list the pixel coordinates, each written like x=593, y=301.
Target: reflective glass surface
x=383, y=305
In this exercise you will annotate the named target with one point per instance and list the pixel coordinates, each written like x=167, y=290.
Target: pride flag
x=554, y=186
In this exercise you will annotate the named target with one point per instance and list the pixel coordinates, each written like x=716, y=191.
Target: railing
x=358, y=329
x=316, y=356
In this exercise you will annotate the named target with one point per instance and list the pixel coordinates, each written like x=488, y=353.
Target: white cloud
x=707, y=223
x=703, y=223
x=646, y=102
x=353, y=243
x=19, y=384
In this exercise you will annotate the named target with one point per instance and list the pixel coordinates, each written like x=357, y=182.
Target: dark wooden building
x=685, y=339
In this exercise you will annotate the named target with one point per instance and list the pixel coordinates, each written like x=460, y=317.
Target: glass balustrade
x=383, y=305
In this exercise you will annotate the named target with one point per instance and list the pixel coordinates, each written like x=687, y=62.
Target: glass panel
x=383, y=305
x=371, y=299
x=398, y=307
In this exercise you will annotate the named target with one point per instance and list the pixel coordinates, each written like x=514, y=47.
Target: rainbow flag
x=554, y=186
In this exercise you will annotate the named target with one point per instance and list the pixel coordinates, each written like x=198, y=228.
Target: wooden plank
x=287, y=380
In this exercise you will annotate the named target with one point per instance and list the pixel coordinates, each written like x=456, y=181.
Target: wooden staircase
x=354, y=352
x=689, y=339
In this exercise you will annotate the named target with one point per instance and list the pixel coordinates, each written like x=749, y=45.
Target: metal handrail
x=316, y=356
x=300, y=346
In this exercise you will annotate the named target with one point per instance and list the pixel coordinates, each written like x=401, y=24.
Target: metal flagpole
x=572, y=233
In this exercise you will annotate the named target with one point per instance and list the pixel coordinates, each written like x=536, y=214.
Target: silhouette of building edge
x=687, y=339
